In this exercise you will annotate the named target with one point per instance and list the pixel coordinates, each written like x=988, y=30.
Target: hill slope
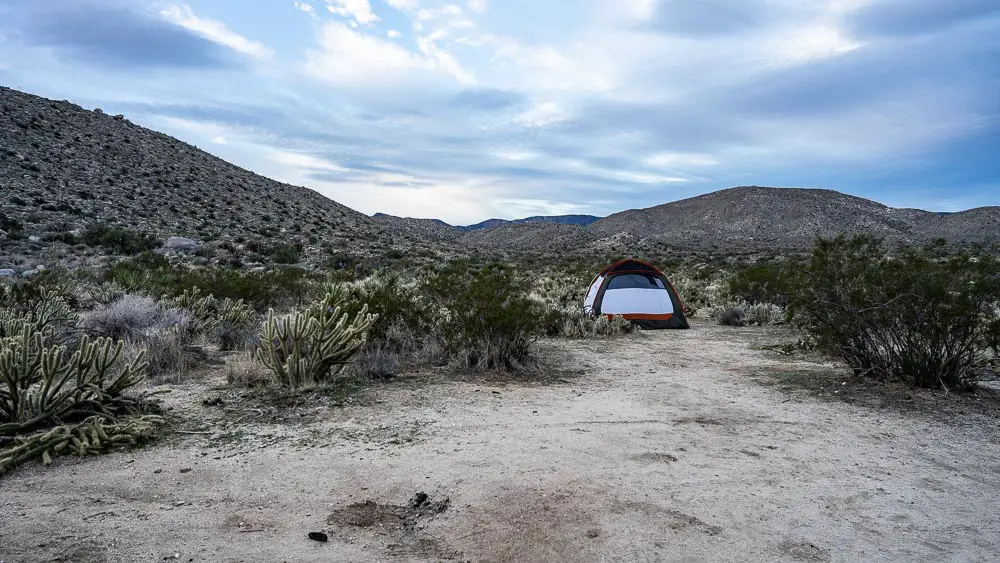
x=63, y=168
x=790, y=217
x=577, y=220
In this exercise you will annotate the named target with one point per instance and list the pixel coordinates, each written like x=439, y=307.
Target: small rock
x=181, y=243
x=318, y=536
x=157, y=471
x=186, y=470
x=593, y=533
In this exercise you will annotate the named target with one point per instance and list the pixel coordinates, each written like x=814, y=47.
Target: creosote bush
x=919, y=316
x=486, y=318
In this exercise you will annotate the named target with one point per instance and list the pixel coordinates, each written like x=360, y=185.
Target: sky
x=468, y=109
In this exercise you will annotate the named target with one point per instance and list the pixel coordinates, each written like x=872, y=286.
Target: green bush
x=260, y=289
x=764, y=283
x=487, y=319
x=387, y=296
x=916, y=317
x=118, y=240
x=11, y=226
x=285, y=253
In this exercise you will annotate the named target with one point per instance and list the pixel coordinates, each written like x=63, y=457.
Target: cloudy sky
x=468, y=109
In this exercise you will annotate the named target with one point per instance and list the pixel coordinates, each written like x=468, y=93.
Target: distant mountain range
x=64, y=168
x=577, y=220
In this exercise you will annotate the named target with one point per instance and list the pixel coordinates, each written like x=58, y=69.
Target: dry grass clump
x=741, y=313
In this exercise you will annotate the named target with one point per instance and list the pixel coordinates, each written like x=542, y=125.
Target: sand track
x=661, y=450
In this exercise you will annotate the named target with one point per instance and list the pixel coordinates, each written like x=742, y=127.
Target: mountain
x=429, y=229
x=578, y=220
x=533, y=236
x=64, y=169
x=753, y=216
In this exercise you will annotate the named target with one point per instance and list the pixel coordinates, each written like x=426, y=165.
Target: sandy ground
x=660, y=449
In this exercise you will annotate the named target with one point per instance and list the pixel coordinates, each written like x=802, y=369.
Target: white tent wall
x=631, y=300
x=595, y=288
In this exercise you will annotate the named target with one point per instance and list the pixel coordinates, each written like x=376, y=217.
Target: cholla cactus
x=38, y=383
x=578, y=324
x=229, y=320
x=307, y=347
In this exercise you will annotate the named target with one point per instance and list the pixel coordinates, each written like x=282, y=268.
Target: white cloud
x=404, y=5
x=678, y=160
x=542, y=114
x=219, y=140
x=306, y=7
x=349, y=57
x=212, y=30
x=394, y=34
x=301, y=160
x=478, y=5
x=519, y=208
x=360, y=10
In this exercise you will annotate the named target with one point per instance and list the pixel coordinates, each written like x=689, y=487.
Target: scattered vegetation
x=919, y=316
x=118, y=240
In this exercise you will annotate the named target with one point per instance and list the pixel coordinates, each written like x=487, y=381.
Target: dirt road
x=661, y=449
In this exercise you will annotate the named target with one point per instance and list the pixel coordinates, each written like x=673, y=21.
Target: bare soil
x=667, y=446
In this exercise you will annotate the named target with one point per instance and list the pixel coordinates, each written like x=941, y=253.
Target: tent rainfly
x=638, y=291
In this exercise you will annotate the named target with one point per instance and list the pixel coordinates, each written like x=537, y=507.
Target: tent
x=638, y=291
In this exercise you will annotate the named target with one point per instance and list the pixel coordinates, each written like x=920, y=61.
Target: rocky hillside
x=533, y=236
x=577, y=220
x=427, y=229
x=66, y=173
x=791, y=217
x=748, y=218
x=64, y=169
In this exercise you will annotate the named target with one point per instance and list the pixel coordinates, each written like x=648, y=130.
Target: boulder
x=7, y=273
x=181, y=243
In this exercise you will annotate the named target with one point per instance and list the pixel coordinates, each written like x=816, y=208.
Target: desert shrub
x=730, y=316
x=118, y=240
x=285, y=253
x=169, y=353
x=11, y=226
x=387, y=296
x=916, y=317
x=742, y=313
x=575, y=323
x=486, y=318
x=313, y=346
x=377, y=360
x=244, y=370
x=260, y=289
x=232, y=324
x=106, y=293
x=764, y=283
x=132, y=317
x=697, y=293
